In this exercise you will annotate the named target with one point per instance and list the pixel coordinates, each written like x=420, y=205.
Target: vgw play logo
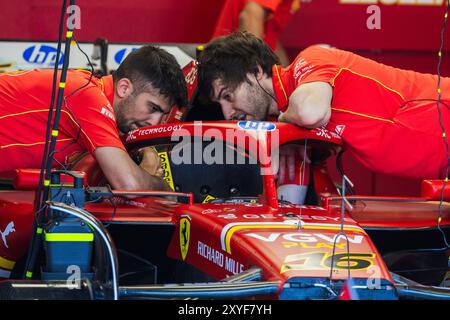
x=122, y=53
x=43, y=55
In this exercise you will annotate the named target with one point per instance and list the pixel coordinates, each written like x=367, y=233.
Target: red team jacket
x=87, y=118
x=370, y=110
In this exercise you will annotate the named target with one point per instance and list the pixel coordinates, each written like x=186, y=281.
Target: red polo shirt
x=87, y=118
x=281, y=12
x=370, y=112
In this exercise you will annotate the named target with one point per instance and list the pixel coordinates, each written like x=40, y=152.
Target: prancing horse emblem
x=185, y=235
x=9, y=229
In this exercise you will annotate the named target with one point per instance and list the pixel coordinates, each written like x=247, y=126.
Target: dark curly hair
x=230, y=58
x=150, y=64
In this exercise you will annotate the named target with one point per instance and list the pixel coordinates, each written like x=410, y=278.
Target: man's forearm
x=252, y=19
x=158, y=183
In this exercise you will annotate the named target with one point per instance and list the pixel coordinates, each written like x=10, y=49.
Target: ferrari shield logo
x=185, y=235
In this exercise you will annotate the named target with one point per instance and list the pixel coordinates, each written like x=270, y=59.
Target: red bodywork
x=223, y=239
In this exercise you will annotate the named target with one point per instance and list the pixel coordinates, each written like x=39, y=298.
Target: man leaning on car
x=144, y=88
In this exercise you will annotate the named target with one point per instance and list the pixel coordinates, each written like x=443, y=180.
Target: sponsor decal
x=209, y=211
x=300, y=237
x=219, y=258
x=167, y=171
x=42, y=54
x=321, y=132
x=231, y=228
x=191, y=76
x=185, y=235
x=340, y=129
x=5, y=233
x=301, y=69
x=256, y=125
x=107, y=113
x=268, y=216
x=323, y=260
x=145, y=132
x=131, y=135
x=122, y=53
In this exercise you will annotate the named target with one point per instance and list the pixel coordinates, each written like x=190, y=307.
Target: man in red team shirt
x=367, y=103
x=266, y=19
x=144, y=88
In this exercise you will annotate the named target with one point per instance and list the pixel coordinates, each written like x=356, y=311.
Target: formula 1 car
x=224, y=232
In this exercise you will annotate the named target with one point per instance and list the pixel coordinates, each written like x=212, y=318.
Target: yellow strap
x=68, y=185
x=69, y=237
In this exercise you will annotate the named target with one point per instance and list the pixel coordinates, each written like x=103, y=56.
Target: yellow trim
x=45, y=110
x=54, y=133
x=46, y=183
x=29, y=274
x=367, y=77
x=277, y=226
x=334, y=228
x=281, y=83
x=30, y=144
x=22, y=113
x=62, y=84
x=165, y=164
x=69, y=34
x=70, y=117
x=237, y=228
x=362, y=115
x=102, y=85
x=69, y=237
x=39, y=230
x=6, y=264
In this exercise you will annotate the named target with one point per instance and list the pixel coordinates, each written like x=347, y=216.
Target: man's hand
x=151, y=161
x=124, y=174
x=284, y=167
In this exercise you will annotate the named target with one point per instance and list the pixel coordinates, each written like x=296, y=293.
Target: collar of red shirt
x=107, y=86
x=280, y=81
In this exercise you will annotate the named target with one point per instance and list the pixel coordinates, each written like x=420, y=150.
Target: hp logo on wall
x=122, y=53
x=42, y=54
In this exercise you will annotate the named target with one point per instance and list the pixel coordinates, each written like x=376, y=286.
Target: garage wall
x=408, y=38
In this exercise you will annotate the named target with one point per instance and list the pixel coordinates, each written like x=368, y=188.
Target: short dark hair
x=150, y=64
x=230, y=58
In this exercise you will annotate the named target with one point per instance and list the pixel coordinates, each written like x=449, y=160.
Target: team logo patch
x=257, y=125
x=8, y=230
x=185, y=235
x=340, y=129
